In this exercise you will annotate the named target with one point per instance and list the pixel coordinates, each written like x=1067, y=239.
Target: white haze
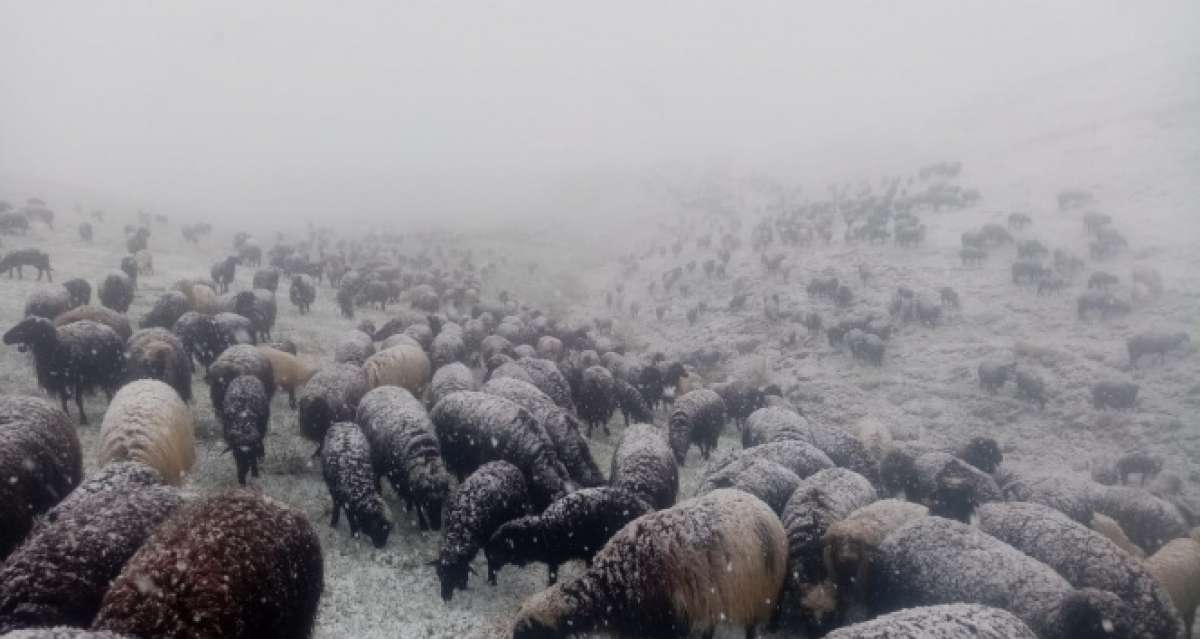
x=478, y=112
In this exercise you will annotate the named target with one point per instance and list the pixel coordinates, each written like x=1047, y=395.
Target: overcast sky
x=316, y=106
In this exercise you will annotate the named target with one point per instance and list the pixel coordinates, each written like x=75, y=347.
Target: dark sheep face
x=453, y=577
x=534, y=629
x=29, y=331
x=378, y=529
x=432, y=508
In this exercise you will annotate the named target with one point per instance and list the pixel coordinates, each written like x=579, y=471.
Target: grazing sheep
x=575, y=527
x=155, y=353
x=1139, y=463
x=405, y=450
x=775, y=424
x=1031, y=387
x=698, y=416
x=1064, y=492
x=235, y=329
x=40, y=460
x=448, y=346
x=350, y=478
x=797, y=456
x=245, y=417
x=259, y=307
x=129, y=267
x=949, y=486
x=290, y=372
x=201, y=294
x=644, y=464
x=493, y=494
x=167, y=310
x=201, y=337
x=993, y=375
x=59, y=575
x=332, y=395
x=720, y=558
x=1148, y=520
x=475, y=428
x=353, y=347
x=634, y=408
x=17, y=260
x=1112, y=531
x=935, y=561
x=546, y=375
x=1085, y=559
x=72, y=360
x=1151, y=343
x=771, y=482
x=223, y=273
x=235, y=361
x=563, y=429
x=237, y=564
x=451, y=378
x=147, y=422
x=303, y=292
x=550, y=347
x=1176, y=566
x=99, y=314
x=267, y=278
x=1114, y=394
x=48, y=302
x=948, y=620
x=79, y=291
x=116, y=291
x=982, y=453
x=740, y=399
x=402, y=366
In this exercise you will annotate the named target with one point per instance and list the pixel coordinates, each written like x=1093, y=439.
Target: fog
x=479, y=112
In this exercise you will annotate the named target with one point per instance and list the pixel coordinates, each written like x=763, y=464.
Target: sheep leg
x=292, y=398
x=337, y=511
x=422, y=523
x=240, y=462
x=79, y=402
x=64, y=404
x=751, y=633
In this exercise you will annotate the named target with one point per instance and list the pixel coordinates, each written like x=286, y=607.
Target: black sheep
x=644, y=464
x=740, y=399
x=16, y=260
x=448, y=346
x=302, y=292
x=72, y=360
x=156, y=353
x=332, y=395
x=41, y=462
x=475, y=428
x=245, y=416
x=817, y=503
x=237, y=564
x=79, y=291
x=981, y=452
x=169, y=307
x=267, y=278
x=405, y=450
x=634, y=408
x=450, y=378
x=61, y=573
x=698, y=416
x=258, y=306
x=492, y=495
x=949, y=486
x=353, y=486
x=575, y=526
x=353, y=347
x=129, y=267
x=549, y=379
x=200, y=336
x=235, y=329
x=1114, y=394
x=223, y=273
x=116, y=291
x=114, y=477
x=769, y=481
x=234, y=362
x=597, y=398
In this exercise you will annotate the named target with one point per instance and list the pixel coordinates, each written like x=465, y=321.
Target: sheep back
x=353, y=347
x=156, y=353
x=644, y=464
x=817, y=503
x=332, y=395
x=492, y=495
x=106, y=316
x=698, y=416
x=147, y=422
x=949, y=620
x=760, y=477
x=233, y=362
x=402, y=366
x=451, y=378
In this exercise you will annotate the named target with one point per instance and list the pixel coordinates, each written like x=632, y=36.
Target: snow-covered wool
x=399, y=339
x=644, y=464
x=699, y=417
x=40, y=460
x=147, y=422
x=949, y=620
x=59, y=575
x=934, y=560
x=763, y=478
x=597, y=397
x=448, y=346
x=476, y=428
x=981, y=452
x=563, y=429
x=402, y=366
x=741, y=399
x=235, y=361
x=302, y=292
x=1149, y=521
x=106, y=316
x=710, y=560
x=350, y=478
x=549, y=347
x=156, y=353
x=1085, y=559
x=200, y=336
x=74, y=359
x=116, y=291
x=549, y=379
x=575, y=527
x=122, y=477
x=266, y=278
x=245, y=417
x=451, y=378
x=799, y=457
x=237, y=564
x=48, y=302
x=405, y=450
x=634, y=408
x=235, y=329
x=290, y=371
x=1176, y=566
x=332, y=395
x=494, y=345
x=949, y=486
x=1113, y=532
x=353, y=347
x=167, y=309
x=492, y=495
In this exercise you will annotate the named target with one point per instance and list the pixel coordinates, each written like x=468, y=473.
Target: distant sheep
x=720, y=558
x=330, y=396
x=402, y=366
x=644, y=464
x=216, y=576
x=492, y=495
x=290, y=371
x=48, y=302
x=1154, y=343
x=40, y=460
x=116, y=291
x=223, y=273
x=245, y=416
x=740, y=399
x=234, y=362
x=698, y=416
x=17, y=260
x=948, y=620
x=167, y=310
x=72, y=360
x=99, y=314
x=155, y=353
x=267, y=278
x=350, y=478
x=993, y=375
x=1114, y=394
x=771, y=482
x=302, y=292
x=147, y=422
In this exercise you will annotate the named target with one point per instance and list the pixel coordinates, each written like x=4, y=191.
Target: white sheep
x=1177, y=567
x=290, y=371
x=403, y=366
x=147, y=422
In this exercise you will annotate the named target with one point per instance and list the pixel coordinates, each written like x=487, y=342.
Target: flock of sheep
x=480, y=412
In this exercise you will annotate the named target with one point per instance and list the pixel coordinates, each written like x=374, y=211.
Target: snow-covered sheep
x=1154, y=342
x=60, y=574
x=116, y=291
x=167, y=309
x=302, y=292
x=290, y=371
x=147, y=422
x=200, y=336
x=1148, y=520
x=99, y=314
x=570, y=446
x=1084, y=558
x=405, y=450
x=41, y=460
x=448, y=346
x=716, y=559
x=350, y=478
x=20, y=258
x=237, y=564
x=763, y=478
x=72, y=360
x=981, y=452
x=353, y=347
x=1115, y=394
x=933, y=561
x=549, y=379
x=235, y=361
x=48, y=302
x=949, y=486
x=451, y=378
x=492, y=495
x=117, y=477
x=948, y=620
x=644, y=464
x=775, y=424
x=79, y=291
x=597, y=397
x=698, y=416
x=267, y=278
x=633, y=406
x=494, y=345
x=799, y=457
x=475, y=428
x=575, y=527
x=235, y=329
x=1064, y=492
x=245, y=416
x=332, y=395
x=402, y=366
x=156, y=353
x=549, y=347
x=1176, y=566
x=741, y=399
